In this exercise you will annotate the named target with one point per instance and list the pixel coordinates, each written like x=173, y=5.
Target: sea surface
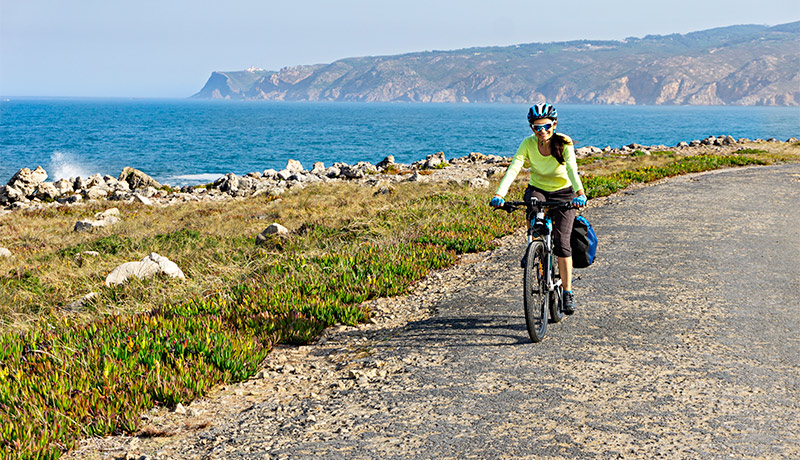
x=185, y=142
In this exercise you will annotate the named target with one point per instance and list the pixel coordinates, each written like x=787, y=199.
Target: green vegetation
x=608, y=184
x=65, y=376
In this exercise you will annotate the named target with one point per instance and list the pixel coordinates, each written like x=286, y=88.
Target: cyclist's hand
x=497, y=202
x=579, y=201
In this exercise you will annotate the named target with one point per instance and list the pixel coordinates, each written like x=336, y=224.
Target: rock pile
x=29, y=189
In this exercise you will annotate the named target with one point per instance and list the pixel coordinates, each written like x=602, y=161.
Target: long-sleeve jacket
x=546, y=172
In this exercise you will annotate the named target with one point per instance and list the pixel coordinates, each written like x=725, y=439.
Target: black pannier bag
x=584, y=243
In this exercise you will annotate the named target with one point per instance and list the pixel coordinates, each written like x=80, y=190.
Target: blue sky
x=168, y=48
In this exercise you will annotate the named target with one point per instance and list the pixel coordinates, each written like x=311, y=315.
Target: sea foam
x=63, y=165
x=197, y=177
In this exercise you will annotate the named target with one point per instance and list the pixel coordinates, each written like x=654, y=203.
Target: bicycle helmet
x=542, y=111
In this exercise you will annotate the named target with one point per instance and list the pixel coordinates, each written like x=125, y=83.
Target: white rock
x=5, y=252
x=294, y=166
x=89, y=224
x=319, y=168
x=138, y=197
x=78, y=304
x=47, y=191
x=26, y=181
x=111, y=212
x=276, y=229
x=149, y=266
x=63, y=186
x=477, y=182
x=96, y=192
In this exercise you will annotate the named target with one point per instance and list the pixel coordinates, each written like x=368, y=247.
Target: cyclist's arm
x=512, y=171
x=572, y=169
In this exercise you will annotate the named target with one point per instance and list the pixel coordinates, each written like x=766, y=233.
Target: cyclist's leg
x=530, y=193
x=533, y=192
x=562, y=230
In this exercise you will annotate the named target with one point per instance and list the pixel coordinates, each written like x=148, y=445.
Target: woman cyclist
x=554, y=177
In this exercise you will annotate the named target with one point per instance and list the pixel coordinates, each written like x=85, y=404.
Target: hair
x=558, y=141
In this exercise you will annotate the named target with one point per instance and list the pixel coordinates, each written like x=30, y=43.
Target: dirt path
x=685, y=345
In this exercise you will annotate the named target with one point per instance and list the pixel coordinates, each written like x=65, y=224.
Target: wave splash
x=63, y=165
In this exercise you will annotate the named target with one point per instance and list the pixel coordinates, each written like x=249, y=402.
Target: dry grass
x=606, y=164
x=212, y=242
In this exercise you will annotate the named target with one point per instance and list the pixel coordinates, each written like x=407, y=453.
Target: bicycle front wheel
x=535, y=297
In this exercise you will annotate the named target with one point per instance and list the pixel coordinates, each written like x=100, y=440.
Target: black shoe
x=569, y=303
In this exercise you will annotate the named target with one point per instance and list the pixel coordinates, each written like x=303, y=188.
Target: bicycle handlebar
x=511, y=206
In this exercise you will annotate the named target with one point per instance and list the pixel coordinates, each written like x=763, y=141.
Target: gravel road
x=685, y=345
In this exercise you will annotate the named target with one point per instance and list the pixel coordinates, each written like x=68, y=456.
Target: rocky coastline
x=29, y=189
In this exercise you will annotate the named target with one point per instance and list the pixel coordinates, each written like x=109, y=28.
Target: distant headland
x=736, y=65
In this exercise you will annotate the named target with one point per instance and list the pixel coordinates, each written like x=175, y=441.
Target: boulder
x=72, y=199
x=151, y=265
x=47, y=191
x=476, y=157
x=14, y=194
x=386, y=162
x=101, y=219
x=294, y=166
x=5, y=252
x=96, y=192
x=137, y=179
x=94, y=180
x=274, y=229
x=63, y=186
x=494, y=171
x=728, y=140
x=791, y=139
x=584, y=152
x=335, y=170
x=237, y=186
x=24, y=183
x=82, y=302
x=318, y=169
x=384, y=190
x=270, y=174
x=682, y=144
x=431, y=161
x=3, y=196
x=284, y=174
x=477, y=182
x=139, y=198
x=358, y=170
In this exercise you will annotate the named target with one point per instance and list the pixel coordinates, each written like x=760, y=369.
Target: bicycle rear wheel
x=535, y=296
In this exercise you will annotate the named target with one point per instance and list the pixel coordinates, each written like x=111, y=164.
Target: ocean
x=187, y=142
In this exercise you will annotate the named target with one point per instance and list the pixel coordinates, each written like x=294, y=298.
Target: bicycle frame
x=541, y=227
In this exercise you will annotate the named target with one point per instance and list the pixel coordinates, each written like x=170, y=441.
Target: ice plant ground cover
x=66, y=375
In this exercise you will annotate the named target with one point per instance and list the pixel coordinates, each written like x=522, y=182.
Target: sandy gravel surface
x=685, y=345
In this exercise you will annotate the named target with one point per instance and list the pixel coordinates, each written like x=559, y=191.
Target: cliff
x=737, y=65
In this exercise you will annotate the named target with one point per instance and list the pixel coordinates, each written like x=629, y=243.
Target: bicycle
x=542, y=290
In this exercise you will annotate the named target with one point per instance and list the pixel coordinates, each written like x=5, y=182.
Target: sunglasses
x=545, y=127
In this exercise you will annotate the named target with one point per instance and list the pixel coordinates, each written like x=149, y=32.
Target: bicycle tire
x=536, y=299
x=556, y=315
